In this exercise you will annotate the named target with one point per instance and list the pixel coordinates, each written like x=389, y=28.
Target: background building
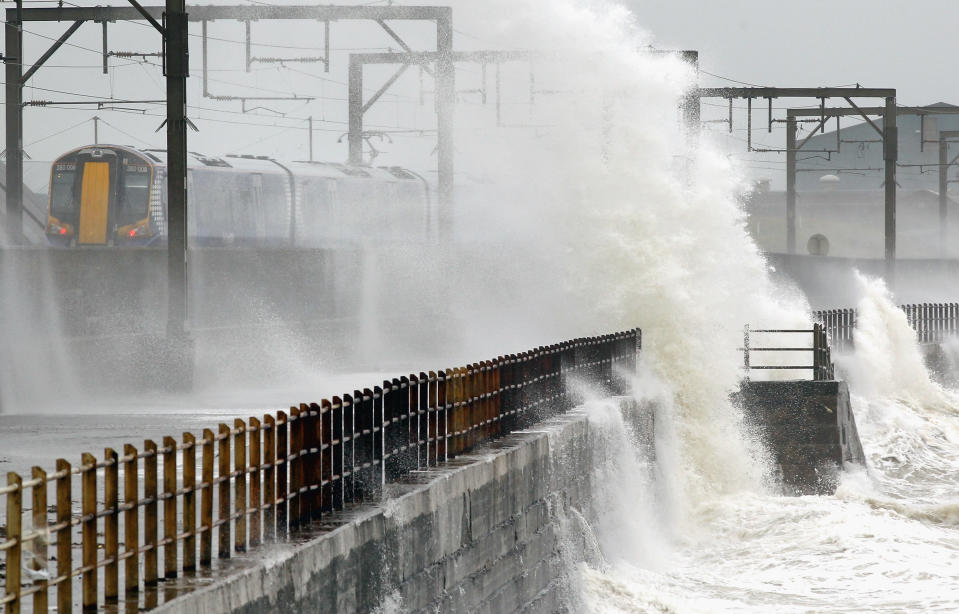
x=854, y=154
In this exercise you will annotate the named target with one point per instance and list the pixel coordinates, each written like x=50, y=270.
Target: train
x=116, y=196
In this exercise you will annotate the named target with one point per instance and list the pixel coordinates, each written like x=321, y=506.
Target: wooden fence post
x=485, y=400
x=331, y=467
x=111, y=526
x=444, y=422
x=406, y=435
x=282, y=464
x=461, y=409
x=423, y=420
x=506, y=394
x=390, y=429
x=321, y=461
x=452, y=412
x=169, y=508
x=40, y=527
x=366, y=455
x=206, y=499
x=309, y=465
x=349, y=449
x=496, y=388
x=189, y=502
x=433, y=414
x=89, y=529
x=256, y=504
x=150, y=514
x=239, y=485
x=269, y=478
x=295, y=460
x=379, y=445
x=223, y=452
x=15, y=534
x=65, y=535
x=131, y=521
x=470, y=405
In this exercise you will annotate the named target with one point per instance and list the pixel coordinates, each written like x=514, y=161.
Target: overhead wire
x=276, y=121
x=58, y=132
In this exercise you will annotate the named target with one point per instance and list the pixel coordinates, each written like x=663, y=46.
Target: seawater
x=887, y=541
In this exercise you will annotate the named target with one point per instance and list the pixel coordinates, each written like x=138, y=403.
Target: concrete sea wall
x=480, y=534
x=808, y=427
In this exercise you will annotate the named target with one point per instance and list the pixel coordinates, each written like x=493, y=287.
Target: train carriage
x=110, y=195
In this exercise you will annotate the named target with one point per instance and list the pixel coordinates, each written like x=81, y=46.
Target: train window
x=134, y=192
x=62, y=197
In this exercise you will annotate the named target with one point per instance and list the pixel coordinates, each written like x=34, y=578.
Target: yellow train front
x=109, y=195
x=103, y=196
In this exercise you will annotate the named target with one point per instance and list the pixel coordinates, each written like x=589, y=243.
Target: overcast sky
x=909, y=45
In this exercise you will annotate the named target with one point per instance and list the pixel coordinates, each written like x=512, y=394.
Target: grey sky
x=907, y=45
x=910, y=45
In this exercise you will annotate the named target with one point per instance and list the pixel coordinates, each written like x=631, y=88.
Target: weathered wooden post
x=269, y=478
x=169, y=508
x=239, y=485
x=206, y=499
x=131, y=521
x=64, y=535
x=189, y=502
x=111, y=526
x=151, y=508
x=223, y=453
x=39, y=492
x=15, y=539
x=88, y=522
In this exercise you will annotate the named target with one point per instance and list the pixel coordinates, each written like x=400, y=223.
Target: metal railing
x=933, y=323
x=261, y=481
x=821, y=367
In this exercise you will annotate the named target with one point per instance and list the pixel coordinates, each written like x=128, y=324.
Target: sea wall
x=480, y=534
x=808, y=427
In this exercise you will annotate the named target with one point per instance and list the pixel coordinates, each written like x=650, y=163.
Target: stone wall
x=808, y=427
x=479, y=535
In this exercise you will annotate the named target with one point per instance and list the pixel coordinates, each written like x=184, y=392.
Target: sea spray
x=35, y=367
x=908, y=422
x=887, y=362
x=624, y=235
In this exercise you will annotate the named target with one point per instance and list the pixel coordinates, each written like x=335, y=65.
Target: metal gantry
x=889, y=134
x=945, y=136
x=445, y=75
x=446, y=83
x=794, y=116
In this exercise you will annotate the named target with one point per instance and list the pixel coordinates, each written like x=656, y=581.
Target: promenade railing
x=933, y=323
x=821, y=366
x=186, y=503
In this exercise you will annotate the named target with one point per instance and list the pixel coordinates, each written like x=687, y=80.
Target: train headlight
x=56, y=228
x=137, y=231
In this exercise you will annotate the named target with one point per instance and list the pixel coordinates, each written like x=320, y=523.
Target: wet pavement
x=39, y=438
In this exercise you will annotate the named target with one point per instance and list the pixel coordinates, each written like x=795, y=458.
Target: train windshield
x=62, y=197
x=135, y=191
